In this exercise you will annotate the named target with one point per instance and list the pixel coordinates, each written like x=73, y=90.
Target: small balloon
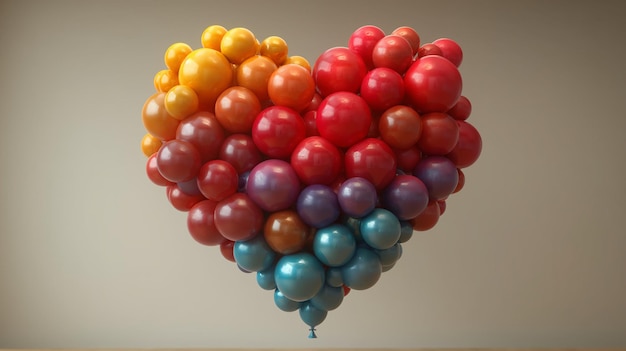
x=357, y=197
x=380, y=229
x=318, y=206
x=284, y=303
x=254, y=254
x=265, y=279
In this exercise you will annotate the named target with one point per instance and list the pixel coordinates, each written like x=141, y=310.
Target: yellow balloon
x=181, y=101
x=298, y=60
x=175, y=54
x=164, y=80
x=238, y=44
x=150, y=144
x=208, y=73
x=275, y=48
x=212, y=37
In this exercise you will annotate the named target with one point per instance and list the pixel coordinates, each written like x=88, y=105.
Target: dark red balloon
x=428, y=218
x=461, y=182
x=440, y=133
x=316, y=161
x=153, y=172
x=373, y=160
x=310, y=123
x=204, y=132
x=226, y=248
x=277, y=130
x=181, y=200
x=393, y=51
x=343, y=118
x=433, y=84
x=201, y=224
x=217, y=180
x=429, y=49
x=338, y=69
x=178, y=160
x=407, y=159
x=238, y=218
x=469, y=146
x=451, y=50
x=240, y=151
x=461, y=110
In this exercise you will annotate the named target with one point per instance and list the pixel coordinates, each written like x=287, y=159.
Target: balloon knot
x=312, y=333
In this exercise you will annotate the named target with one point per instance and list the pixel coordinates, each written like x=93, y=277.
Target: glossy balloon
x=285, y=232
x=236, y=109
x=238, y=218
x=212, y=36
x=410, y=35
x=299, y=276
x=439, y=175
x=338, y=69
x=277, y=130
x=153, y=172
x=400, y=127
x=334, y=245
x=240, y=151
x=380, y=229
x=334, y=277
x=317, y=206
x=181, y=200
x=238, y=44
x=150, y=144
x=201, y=224
x=253, y=254
x=203, y=131
x=343, y=118
x=265, y=279
x=406, y=231
x=382, y=88
x=357, y=197
x=450, y=49
x=178, y=160
x=312, y=315
x=390, y=256
x=217, y=180
x=157, y=121
x=164, y=80
x=440, y=133
x=291, y=86
x=363, y=271
x=469, y=146
x=432, y=84
x=273, y=185
x=428, y=218
x=406, y=196
x=283, y=303
x=363, y=40
x=393, y=51
x=254, y=74
x=181, y=101
x=226, y=249
x=207, y=72
x=329, y=298
x=373, y=160
x=429, y=49
x=407, y=159
x=275, y=48
x=461, y=110
x=316, y=161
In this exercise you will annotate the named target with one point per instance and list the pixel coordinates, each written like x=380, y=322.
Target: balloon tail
x=312, y=333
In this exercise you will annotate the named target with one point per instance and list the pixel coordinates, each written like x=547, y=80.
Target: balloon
x=181, y=200
x=390, y=256
x=429, y=49
x=407, y=159
x=275, y=48
x=238, y=44
x=153, y=172
x=181, y=101
x=239, y=150
x=253, y=254
x=450, y=50
x=328, y=299
x=238, y=218
x=178, y=160
x=334, y=245
x=440, y=133
x=442, y=206
x=236, y=109
x=334, y=277
x=212, y=37
x=393, y=51
x=406, y=231
x=468, y=148
x=316, y=161
x=338, y=69
x=461, y=182
x=277, y=130
x=433, y=84
x=189, y=187
x=217, y=180
x=204, y=132
x=373, y=160
x=284, y=303
x=406, y=196
x=362, y=42
x=164, y=80
x=208, y=73
x=428, y=218
x=157, y=121
x=400, y=127
x=299, y=276
x=410, y=35
x=382, y=88
x=175, y=54
x=226, y=248
x=363, y=270
x=291, y=86
x=273, y=185
x=343, y=118
x=150, y=144
x=380, y=229
x=254, y=74
x=317, y=205
x=357, y=197
x=312, y=316
x=439, y=175
x=461, y=110
x=201, y=223
x=298, y=60
x=285, y=232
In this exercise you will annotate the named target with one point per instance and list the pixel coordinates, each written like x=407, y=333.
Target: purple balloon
x=317, y=206
x=357, y=197
x=406, y=197
x=273, y=185
x=439, y=174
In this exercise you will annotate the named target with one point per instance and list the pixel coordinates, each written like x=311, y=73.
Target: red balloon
x=226, y=248
x=217, y=180
x=240, y=151
x=433, y=84
x=393, y=51
x=362, y=42
x=238, y=218
x=178, y=160
x=461, y=182
x=314, y=104
x=382, y=88
x=373, y=160
x=153, y=172
x=277, y=130
x=180, y=199
x=469, y=146
x=204, y=132
x=428, y=218
x=440, y=134
x=429, y=49
x=316, y=161
x=442, y=206
x=343, y=118
x=201, y=224
x=407, y=159
x=338, y=69
x=462, y=109
x=310, y=123
x=451, y=50
x=400, y=127
x=410, y=35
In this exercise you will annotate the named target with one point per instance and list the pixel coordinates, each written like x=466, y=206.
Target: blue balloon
x=390, y=256
x=328, y=298
x=317, y=206
x=334, y=245
x=312, y=315
x=406, y=231
x=334, y=277
x=363, y=270
x=406, y=197
x=380, y=229
x=299, y=276
x=283, y=303
x=265, y=279
x=439, y=174
x=254, y=254
x=357, y=197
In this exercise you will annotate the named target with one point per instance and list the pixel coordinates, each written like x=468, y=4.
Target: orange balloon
x=275, y=48
x=238, y=44
x=164, y=80
x=175, y=54
x=298, y=60
x=254, y=74
x=181, y=101
x=156, y=120
x=212, y=37
x=285, y=232
x=236, y=109
x=207, y=72
x=291, y=86
x=150, y=144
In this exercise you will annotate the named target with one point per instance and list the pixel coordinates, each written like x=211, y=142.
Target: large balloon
x=433, y=84
x=338, y=69
x=299, y=276
x=343, y=118
x=237, y=217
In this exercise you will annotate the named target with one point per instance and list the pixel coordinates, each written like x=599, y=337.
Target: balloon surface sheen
x=310, y=175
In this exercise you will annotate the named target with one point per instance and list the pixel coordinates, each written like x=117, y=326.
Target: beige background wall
x=532, y=253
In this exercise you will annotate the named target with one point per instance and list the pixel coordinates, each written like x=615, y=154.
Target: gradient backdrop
x=532, y=252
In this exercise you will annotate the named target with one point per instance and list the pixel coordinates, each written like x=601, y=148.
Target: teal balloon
x=312, y=315
x=406, y=231
x=283, y=303
x=334, y=245
x=380, y=229
x=363, y=270
x=253, y=255
x=328, y=298
x=299, y=276
x=334, y=277
x=390, y=256
x=265, y=279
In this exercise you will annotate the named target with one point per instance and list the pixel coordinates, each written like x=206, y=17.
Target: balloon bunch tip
x=312, y=333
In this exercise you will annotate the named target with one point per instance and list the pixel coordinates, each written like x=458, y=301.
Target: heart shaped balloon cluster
x=312, y=177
